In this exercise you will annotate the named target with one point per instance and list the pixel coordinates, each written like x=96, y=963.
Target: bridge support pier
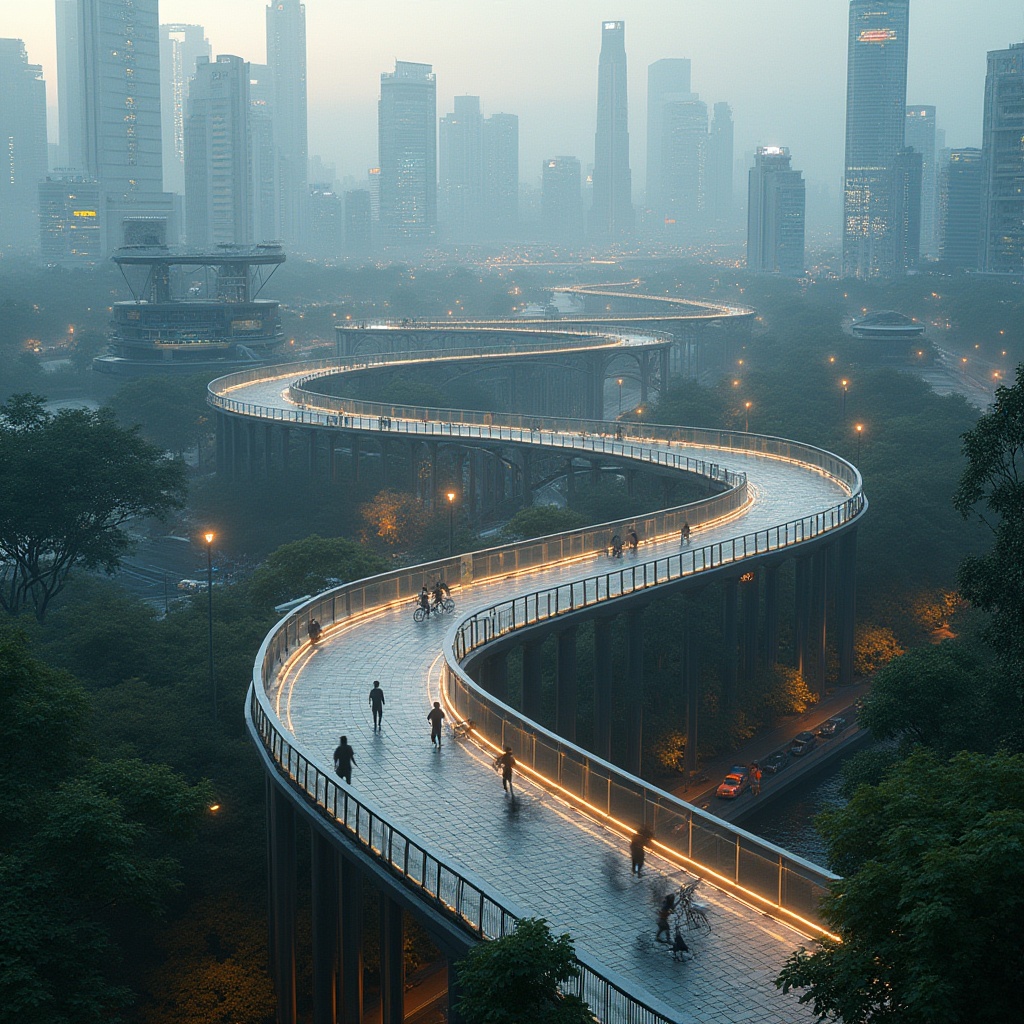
x=690, y=669
x=495, y=676
x=311, y=454
x=801, y=629
x=286, y=448
x=351, y=902
x=819, y=598
x=771, y=615
x=635, y=681
x=268, y=450
x=846, y=592
x=326, y=924
x=566, y=686
x=392, y=961
x=730, y=654
x=283, y=901
x=533, y=665
x=603, y=687
x=751, y=608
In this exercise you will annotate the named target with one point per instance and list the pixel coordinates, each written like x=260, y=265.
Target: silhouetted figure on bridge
x=377, y=704
x=684, y=534
x=637, y=851
x=435, y=718
x=344, y=759
x=506, y=762
x=616, y=546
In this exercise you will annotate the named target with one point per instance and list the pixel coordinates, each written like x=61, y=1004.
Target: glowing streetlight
x=209, y=615
x=451, y=522
x=746, y=417
x=860, y=433
x=619, y=382
x=845, y=385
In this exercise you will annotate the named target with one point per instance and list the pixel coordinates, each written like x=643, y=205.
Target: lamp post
x=209, y=616
x=619, y=382
x=845, y=384
x=746, y=417
x=860, y=433
x=451, y=523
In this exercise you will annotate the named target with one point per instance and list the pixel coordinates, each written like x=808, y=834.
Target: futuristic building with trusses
x=193, y=310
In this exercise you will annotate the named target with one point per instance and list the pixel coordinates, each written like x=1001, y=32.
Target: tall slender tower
x=180, y=47
x=501, y=175
x=23, y=154
x=668, y=81
x=461, y=175
x=261, y=154
x=407, y=140
x=71, y=116
x=611, y=215
x=286, y=57
x=1002, y=164
x=775, y=214
x=719, y=165
x=920, y=136
x=876, y=101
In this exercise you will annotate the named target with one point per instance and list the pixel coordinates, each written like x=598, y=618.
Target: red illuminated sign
x=877, y=35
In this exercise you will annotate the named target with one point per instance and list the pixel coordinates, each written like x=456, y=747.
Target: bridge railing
x=456, y=895
x=775, y=877
x=502, y=327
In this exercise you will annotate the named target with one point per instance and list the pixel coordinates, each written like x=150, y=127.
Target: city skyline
x=781, y=70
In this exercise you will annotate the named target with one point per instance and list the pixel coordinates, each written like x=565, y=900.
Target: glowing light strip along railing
x=449, y=892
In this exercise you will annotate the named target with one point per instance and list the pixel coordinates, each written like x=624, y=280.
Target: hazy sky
x=781, y=64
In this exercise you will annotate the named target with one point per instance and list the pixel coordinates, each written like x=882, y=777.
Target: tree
x=994, y=479
x=398, y=519
x=73, y=481
x=170, y=412
x=541, y=521
x=927, y=911
x=517, y=978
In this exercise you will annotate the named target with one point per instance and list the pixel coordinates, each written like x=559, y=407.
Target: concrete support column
x=351, y=997
x=454, y=1017
x=495, y=676
x=268, y=448
x=326, y=927
x=219, y=442
x=311, y=454
x=819, y=617
x=286, y=449
x=432, y=493
x=645, y=372
x=846, y=595
x=392, y=961
x=533, y=665
x=236, y=448
x=595, y=472
x=527, y=458
x=570, y=482
x=801, y=629
x=631, y=481
x=566, y=686
x=690, y=671
x=771, y=615
x=635, y=682
x=751, y=607
x=603, y=686
x=283, y=899
x=664, y=369
x=730, y=653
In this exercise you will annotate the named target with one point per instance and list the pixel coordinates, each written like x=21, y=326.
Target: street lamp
x=860, y=433
x=846, y=387
x=619, y=382
x=451, y=522
x=746, y=417
x=209, y=615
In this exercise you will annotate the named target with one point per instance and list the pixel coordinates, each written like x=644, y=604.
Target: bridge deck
x=548, y=857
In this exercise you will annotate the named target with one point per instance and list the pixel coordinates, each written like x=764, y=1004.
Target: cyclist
x=425, y=600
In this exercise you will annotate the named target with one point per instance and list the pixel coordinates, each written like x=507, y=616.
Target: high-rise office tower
x=119, y=135
x=876, y=101
x=501, y=175
x=668, y=81
x=180, y=47
x=358, y=222
x=70, y=115
x=69, y=220
x=265, y=205
x=23, y=153
x=907, y=171
x=326, y=220
x=461, y=170
x=1002, y=164
x=218, y=191
x=681, y=210
x=920, y=136
x=776, y=204
x=561, y=201
x=719, y=165
x=286, y=58
x=960, y=208
x=407, y=141
x=611, y=215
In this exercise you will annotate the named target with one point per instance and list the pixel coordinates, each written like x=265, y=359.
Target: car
x=802, y=742
x=734, y=783
x=833, y=726
x=775, y=762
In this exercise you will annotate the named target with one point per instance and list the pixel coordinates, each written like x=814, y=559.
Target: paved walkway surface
x=546, y=856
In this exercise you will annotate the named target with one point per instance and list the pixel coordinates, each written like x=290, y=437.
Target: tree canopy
x=928, y=909
x=73, y=481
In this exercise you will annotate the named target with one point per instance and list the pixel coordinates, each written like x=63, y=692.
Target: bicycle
x=446, y=605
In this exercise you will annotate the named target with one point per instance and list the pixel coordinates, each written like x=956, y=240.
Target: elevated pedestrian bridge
x=432, y=828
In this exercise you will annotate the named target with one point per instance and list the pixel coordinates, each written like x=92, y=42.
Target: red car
x=733, y=784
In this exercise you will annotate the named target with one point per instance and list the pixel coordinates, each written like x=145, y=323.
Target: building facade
x=501, y=176
x=1002, y=164
x=960, y=209
x=218, y=189
x=23, y=157
x=181, y=46
x=407, y=143
x=719, y=166
x=70, y=220
x=70, y=115
x=461, y=170
x=611, y=215
x=776, y=207
x=562, y=200
x=286, y=60
x=920, y=136
x=876, y=99
x=668, y=80
x=681, y=213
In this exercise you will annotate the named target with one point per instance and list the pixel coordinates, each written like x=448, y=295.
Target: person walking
x=344, y=759
x=435, y=718
x=668, y=905
x=684, y=534
x=755, y=779
x=506, y=762
x=377, y=704
x=637, y=853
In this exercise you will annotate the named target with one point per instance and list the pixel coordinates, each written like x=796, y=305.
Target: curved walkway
x=547, y=856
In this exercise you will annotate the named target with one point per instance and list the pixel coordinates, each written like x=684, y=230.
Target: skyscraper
x=562, y=199
x=611, y=215
x=501, y=175
x=876, y=99
x=180, y=47
x=23, y=154
x=461, y=173
x=920, y=136
x=261, y=154
x=1002, y=164
x=960, y=206
x=776, y=206
x=668, y=80
x=70, y=115
x=218, y=192
x=681, y=208
x=407, y=140
x=907, y=208
x=286, y=58
x=719, y=165
x=70, y=229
